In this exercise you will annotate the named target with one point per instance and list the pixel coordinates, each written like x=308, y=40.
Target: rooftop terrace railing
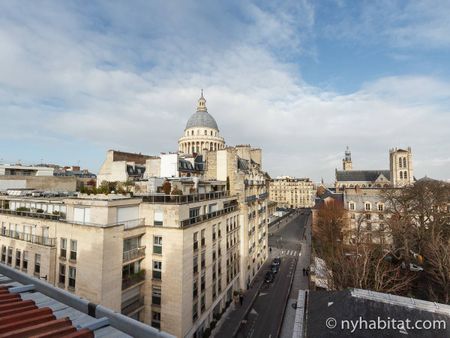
x=30, y=214
x=184, y=199
x=206, y=217
x=47, y=241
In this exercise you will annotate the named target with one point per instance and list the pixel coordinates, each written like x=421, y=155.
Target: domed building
x=201, y=132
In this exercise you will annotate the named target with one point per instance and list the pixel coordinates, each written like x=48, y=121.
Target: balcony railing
x=184, y=199
x=205, y=217
x=47, y=241
x=130, y=280
x=137, y=302
x=31, y=214
x=133, y=254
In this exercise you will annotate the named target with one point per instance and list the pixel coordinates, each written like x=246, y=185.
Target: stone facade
x=174, y=264
x=241, y=168
x=289, y=192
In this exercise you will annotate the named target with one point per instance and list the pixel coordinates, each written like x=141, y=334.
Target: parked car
x=412, y=267
x=269, y=277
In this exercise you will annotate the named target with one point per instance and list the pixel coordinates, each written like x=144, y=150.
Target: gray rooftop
x=369, y=306
x=361, y=175
x=202, y=119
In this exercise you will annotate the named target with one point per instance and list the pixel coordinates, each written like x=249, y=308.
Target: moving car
x=274, y=268
x=269, y=277
x=276, y=261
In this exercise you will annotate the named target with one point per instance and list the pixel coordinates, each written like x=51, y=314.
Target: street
x=266, y=315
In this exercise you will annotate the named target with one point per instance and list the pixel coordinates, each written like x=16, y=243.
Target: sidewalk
x=233, y=317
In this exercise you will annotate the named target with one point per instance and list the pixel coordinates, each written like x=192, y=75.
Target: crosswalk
x=290, y=253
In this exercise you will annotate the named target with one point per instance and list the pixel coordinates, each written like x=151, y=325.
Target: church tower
x=401, y=167
x=347, y=161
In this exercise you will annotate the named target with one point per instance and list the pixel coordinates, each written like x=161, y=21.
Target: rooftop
x=31, y=307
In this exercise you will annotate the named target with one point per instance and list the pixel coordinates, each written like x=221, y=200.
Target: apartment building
x=290, y=192
x=241, y=168
x=171, y=261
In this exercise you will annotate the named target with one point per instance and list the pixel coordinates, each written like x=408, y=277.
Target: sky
x=300, y=79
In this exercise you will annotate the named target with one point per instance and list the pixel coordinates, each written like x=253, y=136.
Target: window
x=195, y=289
x=156, y=319
x=72, y=276
x=203, y=260
x=400, y=162
x=368, y=216
x=25, y=261
x=203, y=238
x=194, y=212
x=62, y=274
x=37, y=264
x=367, y=206
x=405, y=175
x=3, y=253
x=351, y=206
x=18, y=259
x=195, y=264
x=380, y=207
x=202, y=282
x=159, y=217
x=401, y=174
x=352, y=216
x=157, y=245
x=73, y=250
x=157, y=265
x=404, y=162
x=202, y=303
x=63, y=250
x=214, y=232
x=380, y=216
x=194, y=311
x=156, y=295
x=195, y=241
x=9, y=262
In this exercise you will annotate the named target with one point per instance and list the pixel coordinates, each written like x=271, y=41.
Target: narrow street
x=266, y=315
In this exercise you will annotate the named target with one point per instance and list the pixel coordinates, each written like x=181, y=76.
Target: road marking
x=253, y=312
x=263, y=294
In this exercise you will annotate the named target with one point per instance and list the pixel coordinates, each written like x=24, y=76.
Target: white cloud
x=129, y=79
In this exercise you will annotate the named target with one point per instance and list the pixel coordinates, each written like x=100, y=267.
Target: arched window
x=206, y=132
x=401, y=175
x=211, y=133
x=405, y=175
x=404, y=162
x=400, y=162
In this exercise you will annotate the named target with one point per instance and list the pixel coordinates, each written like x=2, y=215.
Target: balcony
x=206, y=217
x=46, y=241
x=184, y=199
x=136, y=304
x=31, y=214
x=133, y=279
x=134, y=254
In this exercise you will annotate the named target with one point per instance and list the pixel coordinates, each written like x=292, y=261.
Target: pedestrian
x=241, y=299
x=270, y=249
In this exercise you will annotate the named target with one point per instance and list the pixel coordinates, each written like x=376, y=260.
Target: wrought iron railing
x=41, y=240
x=133, y=254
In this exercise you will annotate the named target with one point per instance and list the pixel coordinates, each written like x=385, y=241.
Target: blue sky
x=301, y=79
